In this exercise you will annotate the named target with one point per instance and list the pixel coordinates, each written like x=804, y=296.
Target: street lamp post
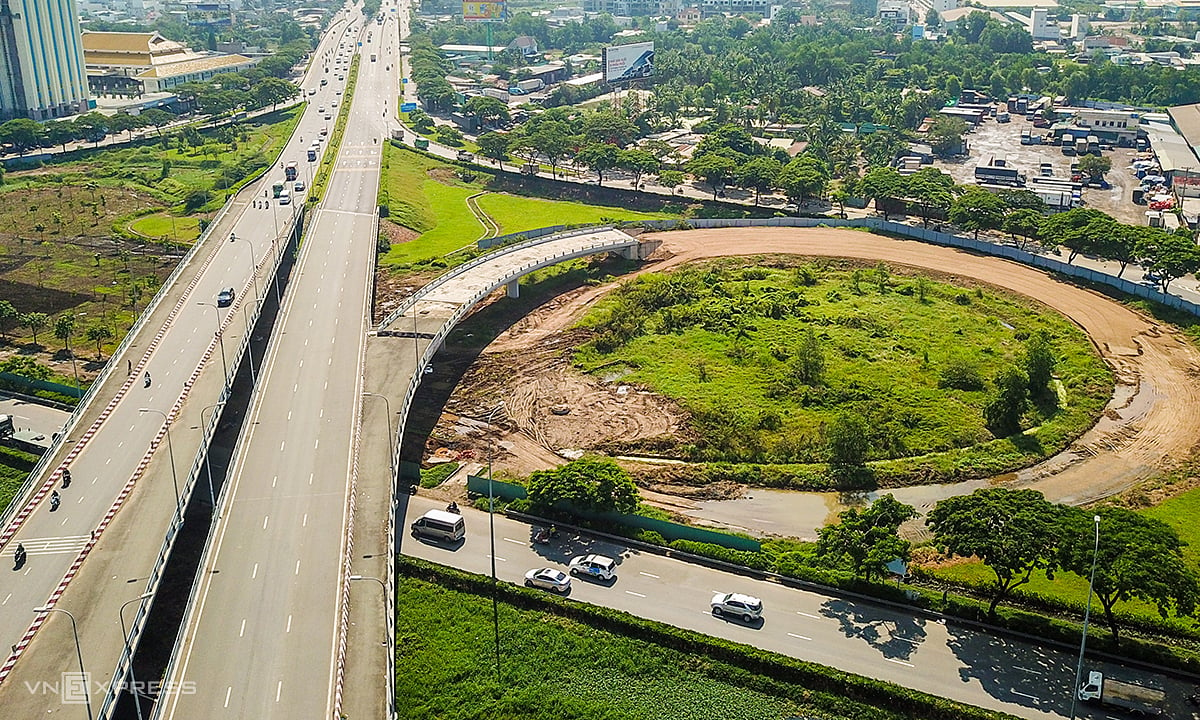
x=1086, y=614
x=137, y=699
x=212, y=495
x=391, y=434
x=87, y=695
x=171, y=453
x=253, y=267
x=250, y=342
x=391, y=639
x=220, y=337
x=492, y=538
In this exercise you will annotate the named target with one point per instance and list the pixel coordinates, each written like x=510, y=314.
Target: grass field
x=732, y=328
x=427, y=196
x=553, y=668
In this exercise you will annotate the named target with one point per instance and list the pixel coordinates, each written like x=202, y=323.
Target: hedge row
x=838, y=691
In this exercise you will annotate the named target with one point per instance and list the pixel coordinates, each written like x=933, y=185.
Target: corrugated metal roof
x=213, y=62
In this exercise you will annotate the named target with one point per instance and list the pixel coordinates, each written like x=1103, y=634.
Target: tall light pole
x=250, y=341
x=137, y=699
x=1086, y=613
x=220, y=337
x=212, y=495
x=171, y=453
x=87, y=694
x=391, y=640
x=391, y=435
x=253, y=267
x=492, y=538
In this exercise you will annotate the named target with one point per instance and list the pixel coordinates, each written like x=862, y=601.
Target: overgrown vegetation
x=841, y=364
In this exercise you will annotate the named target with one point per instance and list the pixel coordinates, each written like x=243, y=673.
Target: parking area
x=1003, y=140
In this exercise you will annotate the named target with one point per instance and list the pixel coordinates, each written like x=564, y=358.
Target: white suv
x=737, y=605
x=594, y=566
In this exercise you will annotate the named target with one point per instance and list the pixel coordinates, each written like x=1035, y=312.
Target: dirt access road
x=1152, y=421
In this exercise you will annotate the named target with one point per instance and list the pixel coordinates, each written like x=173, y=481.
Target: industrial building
x=41, y=60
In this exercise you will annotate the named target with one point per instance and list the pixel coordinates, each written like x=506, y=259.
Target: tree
x=24, y=134
x=1138, y=557
x=608, y=127
x=946, y=135
x=1095, y=166
x=35, y=321
x=92, y=126
x=157, y=119
x=884, y=183
x=1079, y=230
x=9, y=317
x=868, y=539
x=713, y=169
x=1170, y=256
x=1012, y=531
x=1023, y=223
x=1038, y=362
x=639, y=162
x=932, y=189
x=805, y=176
x=487, y=109
x=60, y=133
x=599, y=158
x=552, y=138
x=846, y=440
x=590, y=484
x=977, y=209
x=272, y=91
x=98, y=334
x=64, y=327
x=761, y=173
x=494, y=145
x=808, y=365
x=670, y=178
x=1002, y=415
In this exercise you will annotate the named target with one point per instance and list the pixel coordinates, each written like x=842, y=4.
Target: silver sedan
x=548, y=579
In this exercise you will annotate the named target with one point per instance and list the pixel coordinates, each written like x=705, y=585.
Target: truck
x=421, y=143
x=1137, y=699
x=277, y=189
x=531, y=85
x=1068, y=144
x=289, y=171
x=1093, y=144
x=372, y=57
x=464, y=156
x=529, y=169
x=998, y=172
x=1081, y=146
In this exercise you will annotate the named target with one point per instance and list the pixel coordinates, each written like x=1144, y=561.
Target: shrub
x=960, y=374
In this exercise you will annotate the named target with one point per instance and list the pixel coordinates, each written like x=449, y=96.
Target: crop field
x=553, y=668
x=426, y=196
x=912, y=355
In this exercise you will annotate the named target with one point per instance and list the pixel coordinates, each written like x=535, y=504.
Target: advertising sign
x=408, y=107
x=483, y=11
x=628, y=62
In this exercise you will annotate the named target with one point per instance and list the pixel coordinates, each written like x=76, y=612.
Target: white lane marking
x=799, y=637
x=278, y=690
x=650, y=575
x=310, y=478
x=497, y=557
x=1029, y=670
x=1031, y=697
x=242, y=631
x=289, y=415
x=297, y=572
x=274, y=480
x=317, y=444
x=907, y=640
x=304, y=520
x=514, y=542
x=6, y=599
x=769, y=522
x=322, y=413
x=636, y=594
x=807, y=615
x=265, y=519
x=122, y=443
x=254, y=572
x=281, y=445
x=899, y=662
x=108, y=461
x=289, y=624
x=227, y=693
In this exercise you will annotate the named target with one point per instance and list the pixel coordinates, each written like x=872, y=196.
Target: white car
x=548, y=579
x=299, y=186
x=594, y=566
x=746, y=607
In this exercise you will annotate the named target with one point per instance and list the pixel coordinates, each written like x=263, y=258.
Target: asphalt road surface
x=262, y=631
x=943, y=659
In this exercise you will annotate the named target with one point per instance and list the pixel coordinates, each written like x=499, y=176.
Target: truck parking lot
x=1003, y=141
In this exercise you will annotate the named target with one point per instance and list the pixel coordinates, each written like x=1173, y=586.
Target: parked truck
x=1081, y=146
x=1068, y=144
x=1136, y=699
x=531, y=85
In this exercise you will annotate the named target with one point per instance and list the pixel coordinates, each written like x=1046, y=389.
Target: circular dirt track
x=1153, y=419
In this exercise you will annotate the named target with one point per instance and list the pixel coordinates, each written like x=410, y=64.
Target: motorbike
x=147, y=383
x=54, y=501
x=453, y=508
x=19, y=556
x=66, y=479
x=542, y=537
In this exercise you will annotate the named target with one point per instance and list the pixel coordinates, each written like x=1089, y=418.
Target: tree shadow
x=1013, y=671
x=897, y=637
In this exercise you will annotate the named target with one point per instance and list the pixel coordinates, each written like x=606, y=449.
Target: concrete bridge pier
x=514, y=289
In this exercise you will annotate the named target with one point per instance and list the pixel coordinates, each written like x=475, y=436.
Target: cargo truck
x=1081, y=146
x=289, y=172
x=1068, y=144
x=1136, y=699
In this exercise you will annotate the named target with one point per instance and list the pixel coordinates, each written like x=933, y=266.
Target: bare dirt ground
x=1150, y=424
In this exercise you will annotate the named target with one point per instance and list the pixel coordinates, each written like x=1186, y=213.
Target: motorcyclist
x=452, y=507
x=54, y=500
x=147, y=378
x=66, y=478
x=19, y=555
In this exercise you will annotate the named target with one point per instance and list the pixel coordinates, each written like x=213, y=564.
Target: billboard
x=628, y=62
x=484, y=10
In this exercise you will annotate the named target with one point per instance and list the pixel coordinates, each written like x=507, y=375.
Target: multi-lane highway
x=263, y=631
x=924, y=653
x=175, y=365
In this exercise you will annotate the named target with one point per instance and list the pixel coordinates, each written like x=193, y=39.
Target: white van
x=285, y=198
x=440, y=525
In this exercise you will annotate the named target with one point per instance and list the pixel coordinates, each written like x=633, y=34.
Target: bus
x=277, y=189
x=289, y=172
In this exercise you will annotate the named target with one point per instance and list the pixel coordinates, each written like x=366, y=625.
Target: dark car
x=225, y=297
